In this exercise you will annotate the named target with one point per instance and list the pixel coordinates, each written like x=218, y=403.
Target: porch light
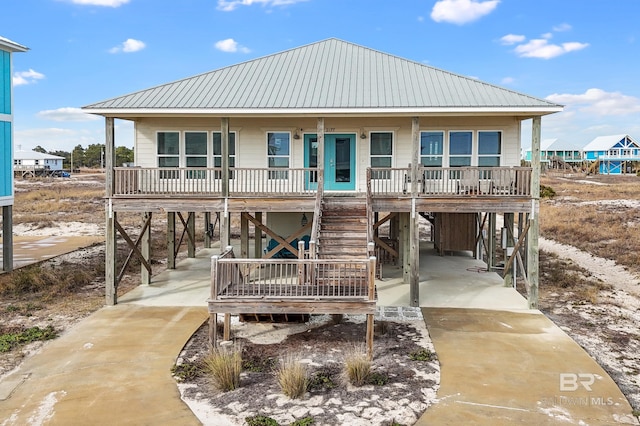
x=363, y=135
x=304, y=220
x=296, y=135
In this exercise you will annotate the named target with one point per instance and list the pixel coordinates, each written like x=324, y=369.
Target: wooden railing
x=197, y=181
x=452, y=181
x=281, y=279
x=317, y=218
x=306, y=182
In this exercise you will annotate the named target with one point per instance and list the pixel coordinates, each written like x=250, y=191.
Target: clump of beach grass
x=292, y=377
x=224, y=366
x=357, y=366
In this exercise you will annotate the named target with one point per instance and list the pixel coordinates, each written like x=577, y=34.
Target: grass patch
x=261, y=420
x=422, y=355
x=292, y=377
x=357, y=366
x=322, y=380
x=224, y=366
x=10, y=340
x=186, y=371
x=47, y=281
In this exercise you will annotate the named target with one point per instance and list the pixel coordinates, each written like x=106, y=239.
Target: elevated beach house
x=557, y=153
x=614, y=154
x=317, y=147
x=7, y=48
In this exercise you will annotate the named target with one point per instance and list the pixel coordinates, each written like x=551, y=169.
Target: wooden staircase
x=343, y=228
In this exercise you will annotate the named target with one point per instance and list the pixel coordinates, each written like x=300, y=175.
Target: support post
x=7, y=238
x=145, y=249
x=414, y=219
x=509, y=275
x=110, y=274
x=405, y=246
x=244, y=237
x=257, y=237
x=491, y=242
x=207, y=231
x=191, y=231
x=171, y=240
x=534, y=227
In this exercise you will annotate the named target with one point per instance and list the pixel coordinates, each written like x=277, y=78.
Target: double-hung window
x=195, y=151
x=278, y=153
x=168, y=153
x=381, y=153
x=460, y=149
x=431, y=154
x=217, y=152
x=489, y=149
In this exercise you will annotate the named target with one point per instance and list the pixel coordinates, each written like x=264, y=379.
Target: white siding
x=251, y=136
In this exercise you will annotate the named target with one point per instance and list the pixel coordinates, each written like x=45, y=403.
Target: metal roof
x=11, y=46
x=604, y=143
x=34, y=155
x=330, y=76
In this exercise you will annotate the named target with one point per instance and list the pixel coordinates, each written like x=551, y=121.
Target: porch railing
x=198, y=181
x=281, y=279
x=452, y=181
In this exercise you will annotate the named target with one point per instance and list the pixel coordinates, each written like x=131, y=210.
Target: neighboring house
x=34, y=161
x=7, y=48
x=614, y=154
x=557, y=150
x=323, y=139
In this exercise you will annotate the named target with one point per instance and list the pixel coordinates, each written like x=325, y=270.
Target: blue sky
x=584, y=54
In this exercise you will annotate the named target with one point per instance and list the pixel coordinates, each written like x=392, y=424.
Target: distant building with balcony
x=615, y=154
x=556, y=153
x=7, y=49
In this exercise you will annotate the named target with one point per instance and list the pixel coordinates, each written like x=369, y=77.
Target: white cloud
x=508, y=80
x=230, y=45
x=598, y=102
x=512, y=39
x=229, y=5
x=562, y=28
x=541, y=48
x=547, y=36
x=67, y=114
x=128, y=46
x=108, y=3
x=21, y=78
x=462, y=11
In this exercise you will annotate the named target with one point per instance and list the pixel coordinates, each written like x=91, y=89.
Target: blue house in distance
x=7, y=48
x=615, y=154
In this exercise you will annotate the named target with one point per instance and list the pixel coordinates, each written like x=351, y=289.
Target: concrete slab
x=504, y=368
x=111, y=368
x=32, y=249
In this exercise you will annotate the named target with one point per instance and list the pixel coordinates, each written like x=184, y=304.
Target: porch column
x=110, y=273
x=257, y=237
x=244, y=237
x=145, y=249
x=534, y=227
x=414, y=231
x=7, y=238
x=207, y=236
x=225, y=239
x=509, y=224
x=491, y=241
x=171, y=240
x=191, y=230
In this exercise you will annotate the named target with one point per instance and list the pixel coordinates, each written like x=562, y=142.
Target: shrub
x=292, y=377
x=224, y=365
x=10, y=340
x=547, y=192
x=357, y=366
x=260, y=420
x=422, y=355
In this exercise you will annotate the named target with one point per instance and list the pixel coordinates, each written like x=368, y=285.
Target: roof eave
x=324, y=112
x=12, y=46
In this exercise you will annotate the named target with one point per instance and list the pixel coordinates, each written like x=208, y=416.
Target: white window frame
x=470, y=155
x=277, y=174
x=444, y=147
x=213, y=155
x=477, y=147
x=383, y=174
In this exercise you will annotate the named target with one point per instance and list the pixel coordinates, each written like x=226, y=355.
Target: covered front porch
x=456, y=280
